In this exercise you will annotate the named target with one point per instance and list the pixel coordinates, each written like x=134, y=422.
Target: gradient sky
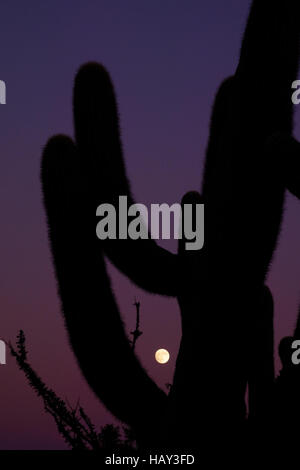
x=166, y=59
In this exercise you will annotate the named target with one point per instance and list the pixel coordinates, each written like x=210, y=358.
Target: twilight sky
x=166, y=60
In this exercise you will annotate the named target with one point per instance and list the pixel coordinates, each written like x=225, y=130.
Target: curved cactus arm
x=148, y=265
x=98, y=140
x=91, y=314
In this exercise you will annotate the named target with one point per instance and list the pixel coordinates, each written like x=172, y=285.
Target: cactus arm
x=98, y=140
x=148, y=265
x=270, y=45
x=90, y=311
x=257, y=105
x=269, y=63
x=219, y=117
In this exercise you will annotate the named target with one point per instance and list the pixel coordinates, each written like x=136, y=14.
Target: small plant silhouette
x=73, y=424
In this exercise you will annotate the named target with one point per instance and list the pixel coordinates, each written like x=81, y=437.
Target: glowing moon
x=162, y=356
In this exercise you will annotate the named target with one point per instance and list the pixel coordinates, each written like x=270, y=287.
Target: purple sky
x=166, y=60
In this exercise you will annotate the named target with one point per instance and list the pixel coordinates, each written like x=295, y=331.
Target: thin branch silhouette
x=137, y=332
x=73, y=424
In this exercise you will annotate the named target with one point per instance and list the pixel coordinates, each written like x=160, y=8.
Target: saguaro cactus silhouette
x=251, y=160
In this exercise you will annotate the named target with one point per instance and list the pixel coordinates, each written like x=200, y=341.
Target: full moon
x=162, y=356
